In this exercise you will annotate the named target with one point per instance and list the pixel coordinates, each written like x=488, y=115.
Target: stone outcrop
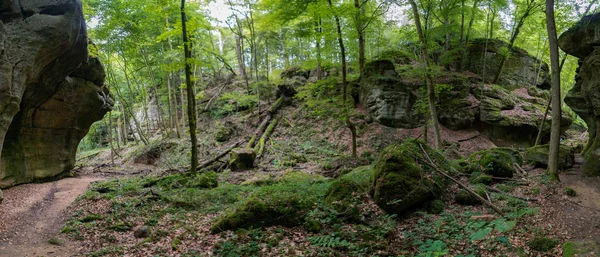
x=394, y=95
x=520, y=69
x=582, y=41
x=50, y=90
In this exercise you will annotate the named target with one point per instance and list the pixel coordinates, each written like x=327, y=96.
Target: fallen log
x=434, y=167
x=260, y=147
x=216, y=158
x=263, y=125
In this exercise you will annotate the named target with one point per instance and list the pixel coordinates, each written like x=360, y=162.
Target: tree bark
x=347, y=120
x=428, y=80
x=556, y=100
x=190, y=90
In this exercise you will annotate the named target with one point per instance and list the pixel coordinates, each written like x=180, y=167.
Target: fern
x=329, y=241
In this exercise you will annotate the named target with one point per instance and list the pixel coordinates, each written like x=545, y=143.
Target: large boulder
x=521, y=69
x=402, y=182
x=498, y=162
x=50, y=91
x=389, y=98
x=539, y=156
x=584, y=97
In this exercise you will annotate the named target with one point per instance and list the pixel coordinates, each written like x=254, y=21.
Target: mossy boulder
x=241, y=159
x=402, y=182
x=347, y=191
x=187, y=180
x=463, y=196
x=498, y=162
x=539, y=156
x=542, y=244
x=479, y=178
x=280, y=204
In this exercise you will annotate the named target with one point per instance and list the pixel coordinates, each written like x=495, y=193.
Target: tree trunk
x=344, y=74
x=361, y=37
x=190, y=90
x=286, y=61
x=318, y=31
x=556, y=100
x=428, y=82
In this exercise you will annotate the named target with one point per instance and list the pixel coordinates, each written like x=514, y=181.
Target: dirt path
x=34, y=213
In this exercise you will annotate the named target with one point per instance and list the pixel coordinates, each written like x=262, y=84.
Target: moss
x=282, y=204
x=313, y=226
x=346, y=192
x=91, y=217
x=542, y=244
x=241, y=159
x=569, y=249
x=402, y=182
x=301, y=177
x=498, y=162
x=435, y=206
x=465, y=198
x=478, y=178
x=591, y=164
x=570, y=192
x=187, y=180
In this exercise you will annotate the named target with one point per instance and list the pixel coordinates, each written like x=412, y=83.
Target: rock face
x=584, y=98
x=520, y=69
x=50, y=91
x=509, y=113
x=388, y=98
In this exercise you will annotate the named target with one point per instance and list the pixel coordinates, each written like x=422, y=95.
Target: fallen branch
x=520, y=170
x=469, y=138
x=216, y=158
x=496, y=190
x=520, y=182
x=432, y=165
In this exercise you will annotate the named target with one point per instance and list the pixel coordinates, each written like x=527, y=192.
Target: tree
x=531, y=6
x=191, y=106
x=428, y=79
x=347, y=120
x=556, y=99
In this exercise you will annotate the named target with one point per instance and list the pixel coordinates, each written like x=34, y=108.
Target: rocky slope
x=50, y=91
x=581, y=41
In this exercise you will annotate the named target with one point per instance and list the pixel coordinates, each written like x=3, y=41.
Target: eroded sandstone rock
x=50, y=93
x=582, y=41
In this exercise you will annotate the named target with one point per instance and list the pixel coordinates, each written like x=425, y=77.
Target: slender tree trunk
x=428, y=82
x=556, y=100
x=284, y=55
x=110, y=141
x=361, y=37
x=125, y=129
x=344, y=74
x=318, y=45
x=538, y=139
x=468, y=34
x=190, y=89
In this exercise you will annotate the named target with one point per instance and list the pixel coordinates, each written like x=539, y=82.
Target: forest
x=300, y=128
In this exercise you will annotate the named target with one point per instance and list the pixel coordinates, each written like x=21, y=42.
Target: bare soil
x=32, y=214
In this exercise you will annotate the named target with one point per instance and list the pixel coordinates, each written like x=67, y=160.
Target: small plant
x=329, y=241
x=570, y=192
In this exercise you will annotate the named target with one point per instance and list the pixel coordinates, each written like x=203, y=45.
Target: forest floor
x=98, y=211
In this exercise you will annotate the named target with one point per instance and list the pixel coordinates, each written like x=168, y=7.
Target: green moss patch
x=498, y=162
x=403, y=182
x=542, y=244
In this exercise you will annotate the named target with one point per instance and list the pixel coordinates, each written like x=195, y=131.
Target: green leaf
x=480, y=234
